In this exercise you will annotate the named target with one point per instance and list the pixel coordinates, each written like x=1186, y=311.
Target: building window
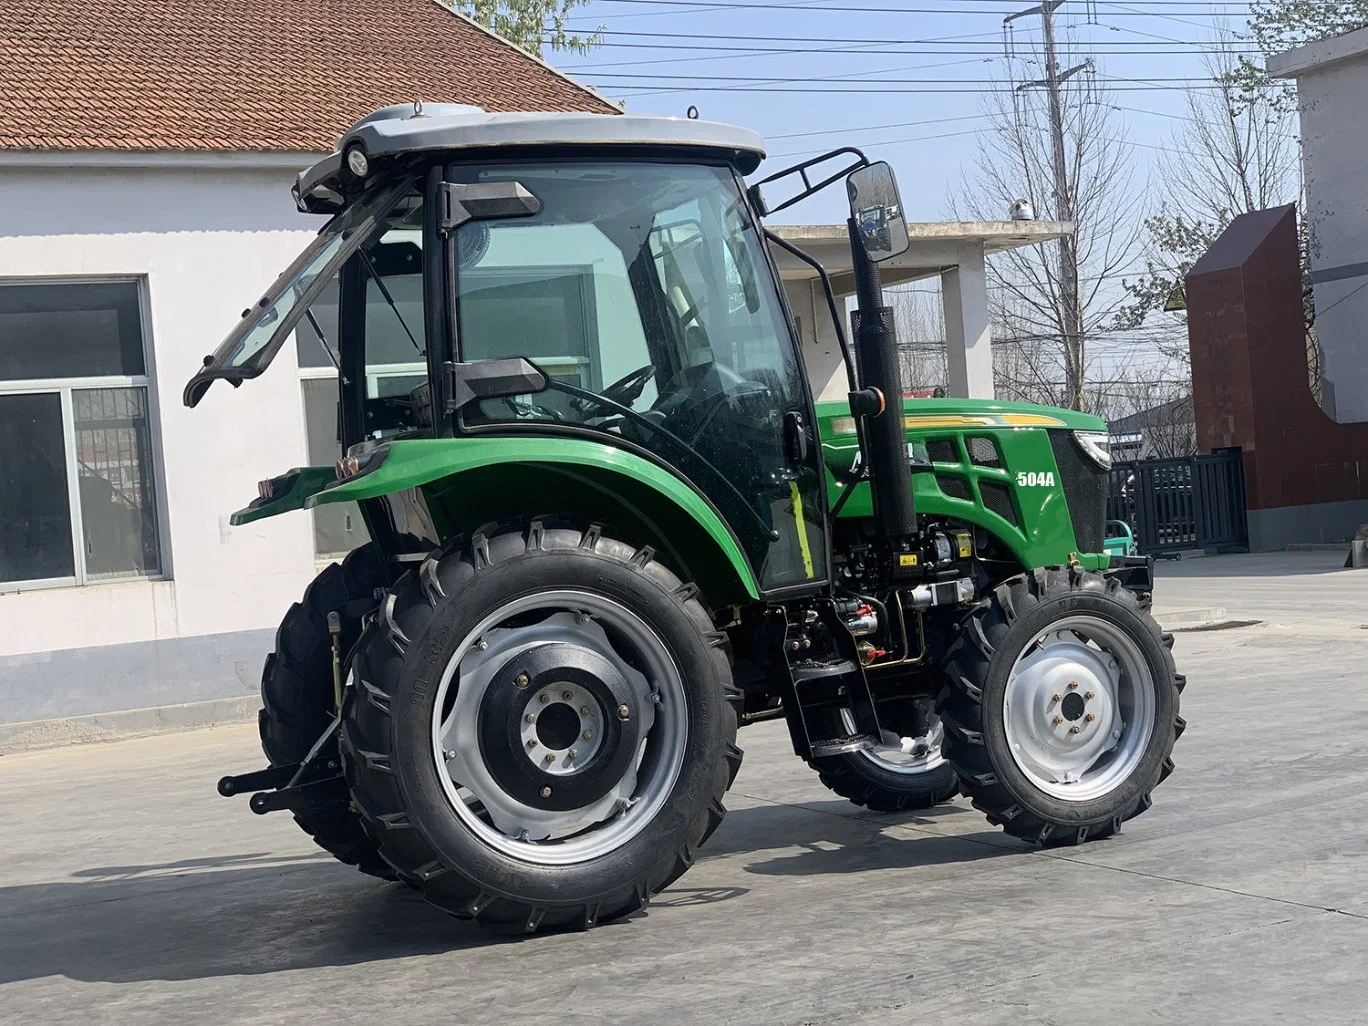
x=78, y=499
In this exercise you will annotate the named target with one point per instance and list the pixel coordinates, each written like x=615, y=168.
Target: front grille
x=998, y=500
x=983, y=452
x=956, y=488
x=942, y=450
x=1085, y=490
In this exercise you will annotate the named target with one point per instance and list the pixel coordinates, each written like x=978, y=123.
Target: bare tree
x=1156, y=404
x=1032, y=315
x=1234, y=153
x=920, y=323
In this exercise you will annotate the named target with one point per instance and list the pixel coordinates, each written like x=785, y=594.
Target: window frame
x=64, y=389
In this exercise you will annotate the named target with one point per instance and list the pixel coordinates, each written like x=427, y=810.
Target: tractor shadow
x=832, y=838
x=257, y=913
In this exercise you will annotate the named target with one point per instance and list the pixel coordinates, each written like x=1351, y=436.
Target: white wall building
x=1332, y=91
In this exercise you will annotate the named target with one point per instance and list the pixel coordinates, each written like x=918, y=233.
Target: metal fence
x=1192, y=503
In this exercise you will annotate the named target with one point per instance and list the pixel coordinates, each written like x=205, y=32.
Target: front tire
x=1061, y=707
x=542, y=727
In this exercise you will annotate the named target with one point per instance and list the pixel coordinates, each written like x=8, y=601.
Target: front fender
x=449, y=469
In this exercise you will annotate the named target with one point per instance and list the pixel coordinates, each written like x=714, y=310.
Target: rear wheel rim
x=652, y=703
x=907, y=756
x=1079, y=708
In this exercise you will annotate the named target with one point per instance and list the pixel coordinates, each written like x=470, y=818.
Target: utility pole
x=1071, y=312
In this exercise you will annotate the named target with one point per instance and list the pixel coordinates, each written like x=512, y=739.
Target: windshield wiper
x=384, y=291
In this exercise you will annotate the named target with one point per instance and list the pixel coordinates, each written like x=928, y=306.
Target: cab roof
x=405, y=129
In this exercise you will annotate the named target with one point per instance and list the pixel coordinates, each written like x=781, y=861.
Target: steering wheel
x=624, y=391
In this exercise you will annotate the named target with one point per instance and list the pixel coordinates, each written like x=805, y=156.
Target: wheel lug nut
x=546, y=792
x=531, y=742
x=567, y=695
x=588, y=735
x=584, y=710
x=574, y=754
x=1073, y=685
x=1073, y=730
x=531, y=718
x=550, y=757
x=545, y=698
x=1089, y=695
x=1057, y=720
x=1089, y=718
x=624, y=712
x=449, y=754
x=522, y=680
x=1056, y=698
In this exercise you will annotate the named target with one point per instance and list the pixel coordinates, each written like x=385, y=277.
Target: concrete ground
x=131, y=893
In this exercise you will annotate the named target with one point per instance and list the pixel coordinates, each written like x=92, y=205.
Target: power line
x=651, y=89
x=958, y=39
x=876, y=128
x=885, y=142
x=648, y=76
x=1119, y=11
x=746, y=52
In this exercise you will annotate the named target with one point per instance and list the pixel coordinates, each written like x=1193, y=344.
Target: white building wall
x=1332, y=88
x=206, y=244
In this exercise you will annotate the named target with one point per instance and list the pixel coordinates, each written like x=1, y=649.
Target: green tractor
x=608, y=525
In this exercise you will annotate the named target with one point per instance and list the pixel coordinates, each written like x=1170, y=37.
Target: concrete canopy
x=954, y=251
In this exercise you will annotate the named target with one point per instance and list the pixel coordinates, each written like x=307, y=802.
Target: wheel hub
x=1076, y=715
x=547, y=732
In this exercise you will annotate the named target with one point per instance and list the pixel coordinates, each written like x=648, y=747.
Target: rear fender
x=468, y=482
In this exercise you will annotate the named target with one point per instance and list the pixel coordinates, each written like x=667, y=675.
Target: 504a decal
x=1032, y=479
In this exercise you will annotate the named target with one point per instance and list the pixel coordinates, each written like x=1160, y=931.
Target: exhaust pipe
x=876, y=351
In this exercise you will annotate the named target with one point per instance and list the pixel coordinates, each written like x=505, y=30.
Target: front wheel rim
x=1079, y=708
x=647, y=712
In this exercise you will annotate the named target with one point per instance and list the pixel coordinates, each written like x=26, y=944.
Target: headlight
x=357, y=162
x=1095, y=444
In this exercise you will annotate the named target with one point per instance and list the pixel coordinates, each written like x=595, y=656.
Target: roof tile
x=247, y=75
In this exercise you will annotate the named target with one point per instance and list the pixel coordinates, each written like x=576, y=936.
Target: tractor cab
x=575, y=276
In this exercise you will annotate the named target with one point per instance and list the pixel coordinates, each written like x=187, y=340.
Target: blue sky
x=915, y=99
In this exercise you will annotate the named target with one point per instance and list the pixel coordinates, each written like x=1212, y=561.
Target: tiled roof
x=247, y=74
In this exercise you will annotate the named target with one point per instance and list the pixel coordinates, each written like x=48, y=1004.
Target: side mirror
x=877, y=211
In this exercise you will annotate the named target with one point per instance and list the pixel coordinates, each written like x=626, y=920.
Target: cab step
x=823, y=693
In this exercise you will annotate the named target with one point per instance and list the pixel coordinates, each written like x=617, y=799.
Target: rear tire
x=297, y=699
x=494, y=623
x=887, y=779
x=1061, y=745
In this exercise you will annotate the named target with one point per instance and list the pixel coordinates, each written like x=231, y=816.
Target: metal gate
x=1192, y=503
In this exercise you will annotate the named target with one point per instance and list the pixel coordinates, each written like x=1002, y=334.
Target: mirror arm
x=802, y=170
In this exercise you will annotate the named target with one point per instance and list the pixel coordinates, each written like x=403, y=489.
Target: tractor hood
x=837, y=425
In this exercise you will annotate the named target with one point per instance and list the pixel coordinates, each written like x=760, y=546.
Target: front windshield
x=644, y=294
x=252, y=344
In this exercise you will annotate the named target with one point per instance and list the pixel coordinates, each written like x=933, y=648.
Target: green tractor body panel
x=1013, y=490
x=989, y=463
x=466, y=482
